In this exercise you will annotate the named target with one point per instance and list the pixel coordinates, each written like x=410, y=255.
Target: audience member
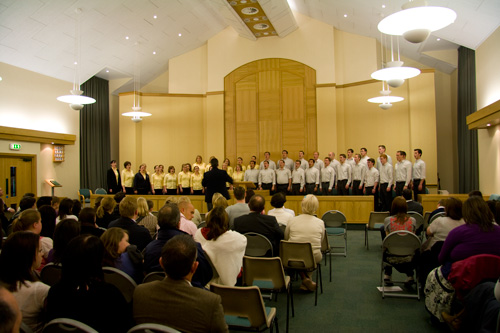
x=82, y=295
x=65, y=210
x=168, y=220
x=224, y=247
x=282, y=214
x=146, y=218
x=250, y=193
x=262, y=224
x=25, y=203
x=196, y=219
x=65, y=231
x=48, y=215
x=42, y=201
x=307, y=228
x=10, y=314
x=118, y=198
x=139, y=235
x=239, y=208
x=413, y=206
x=173, y=301
x=87, y=218
x=475, y=193
x=106, y=212
x=55, y=204
x=439, y=209
x=97, y=202
x=187, y=211
x=77, y=207
x=19, y=259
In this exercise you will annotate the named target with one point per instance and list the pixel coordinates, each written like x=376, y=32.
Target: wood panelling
x=21, y=134
x=270, y=105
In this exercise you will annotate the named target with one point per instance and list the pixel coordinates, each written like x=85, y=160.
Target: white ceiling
x=39, y=35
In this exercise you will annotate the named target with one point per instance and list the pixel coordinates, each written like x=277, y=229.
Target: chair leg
x=287, y=308
x=276, y=324
x=291, y=300
x=345, y=244
x=330, y=268
x=316, y=292
x=320, y=278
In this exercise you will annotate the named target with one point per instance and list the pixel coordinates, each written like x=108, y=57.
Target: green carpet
x=351, y=302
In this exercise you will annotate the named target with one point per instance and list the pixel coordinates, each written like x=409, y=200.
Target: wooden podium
x=246, y=185
x=53, y=184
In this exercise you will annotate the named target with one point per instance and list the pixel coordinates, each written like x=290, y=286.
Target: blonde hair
x=219, y=201
x=128, y=207
x=26, y=220
x=142, y=207
x=310, y=204
x=107, y=205
x=171, y=199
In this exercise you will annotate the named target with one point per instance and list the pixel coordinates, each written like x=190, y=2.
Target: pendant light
x=385, y=100
x=76, y=100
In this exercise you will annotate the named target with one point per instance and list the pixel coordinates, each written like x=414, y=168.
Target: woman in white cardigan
x=224, y=247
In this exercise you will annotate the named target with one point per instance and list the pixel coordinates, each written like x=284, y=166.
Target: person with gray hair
x=307, y=228
x=169, y=218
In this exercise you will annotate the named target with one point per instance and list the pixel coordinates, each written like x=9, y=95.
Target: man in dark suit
x=138, y=235
x=262, y=224
x=214, y=181
x=173, y=301
x=413, y=206
x=114, y=179
x=168, y=219
x=439, y=209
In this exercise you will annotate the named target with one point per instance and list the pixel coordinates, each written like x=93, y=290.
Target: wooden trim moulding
x=326, y=85
x=488, y=115
x=21, y=134
x=167, y=94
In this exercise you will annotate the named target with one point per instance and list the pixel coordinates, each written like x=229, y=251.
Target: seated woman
x=65, y=210
x=82, y=293
x=65, y=231
x=19, y=259
x=104, y=213
x=441, y=227
x=399, y=220
x=30, y=220
x=280, y=212
x=307, y=228
x=120, y=254
x=146, y=219
x=224, y=247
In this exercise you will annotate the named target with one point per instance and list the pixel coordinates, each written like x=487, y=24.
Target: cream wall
x=28, y=100
x=488, y=91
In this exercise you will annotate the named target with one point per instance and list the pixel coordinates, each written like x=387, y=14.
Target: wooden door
x=17, y=177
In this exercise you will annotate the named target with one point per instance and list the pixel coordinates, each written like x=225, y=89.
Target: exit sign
x=15, y=146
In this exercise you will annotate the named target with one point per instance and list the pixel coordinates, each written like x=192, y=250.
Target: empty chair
x=61, y=325
x=154, y=276
x=120, y=280
x=375, y=222
x=152, y=328
x=336, y=225
x=244, y=308
x=268, y=275
x=51, y=274
x=84, y=195
x=399, y=249
x=258, y=245
x=100, y=190
x=299, y=256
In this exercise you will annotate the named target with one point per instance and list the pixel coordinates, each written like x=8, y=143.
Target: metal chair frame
x=257, y=245
x=334, y=220
x=376, y=218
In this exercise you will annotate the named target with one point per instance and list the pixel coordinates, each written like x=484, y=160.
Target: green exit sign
x=15, y=146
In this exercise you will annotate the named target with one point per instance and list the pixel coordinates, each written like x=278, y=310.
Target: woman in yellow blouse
x=229, y=167
x=128, y=178
x=240, y=163
x=209, y=166
x=199, y=163
x=224, y=167
x=162, y=171
x=196, y=179
x=184, y=180
x=170, y=182
x=238, y=174
x=157, y=181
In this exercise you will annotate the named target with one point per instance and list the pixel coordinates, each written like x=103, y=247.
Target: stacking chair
x=436, y=216
x=153, y=276
x=420, y=223
x=426, y=219
x=152, y=328
x=258, y=245
x=244, y=308
x=51, y=274
x=84, y=195
x=60, y=325
x=100, y=190
x=326, y=250
x=374, y=223
x=202, y=225
x=400, y=243
x=121, y=280
x=268, y=275
x=299, y=256
x=336, y=225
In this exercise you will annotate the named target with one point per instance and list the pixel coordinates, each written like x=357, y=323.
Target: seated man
x=239, y=208
x=138, y=235
x=262, y=224
x=168, y=220
x=173, y=301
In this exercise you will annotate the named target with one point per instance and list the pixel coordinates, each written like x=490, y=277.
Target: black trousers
x=399, y=188
x=385, y=197
x=324, y=188
x=310, y=188
x=355, y=187
x=185, y=191
x=296, y=189
x=197, y=192
x=158, y=191
x=171, y=191
x=368, y=191
x=341, y=190
x=129, y=190
x=416, y=192
x=281, y=188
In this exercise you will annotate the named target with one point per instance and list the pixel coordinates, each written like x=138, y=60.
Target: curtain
x=94, y=135
x=468, y=167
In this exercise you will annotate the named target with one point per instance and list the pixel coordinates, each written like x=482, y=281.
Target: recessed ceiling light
x=154, y=52
x=438, y=39
x=266, y=33
x=249, y=10
x=488, y=125
x=180, y=35
x=255, y=18
x=75, y=63
x=261, y=26
x=155, y=17
x=383, y=6
x=345, y=15
x=126, y=37
x=243, y=1
x=0, y=78
x=107, y=70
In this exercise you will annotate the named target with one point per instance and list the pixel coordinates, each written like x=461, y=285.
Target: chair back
x=401, y=243
x=154, y=276
x=297, y=255
x=152, y=328
x=436, y=216
x=51, y=274
x=418, y=218
x=121, y=280
x=257, y=245
x=377, y=217
x=100, y=190
x=60, y=325
x=266, y=273
x=334, y=219
x=202, y=225
x=242, y=302
x=85, y=192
